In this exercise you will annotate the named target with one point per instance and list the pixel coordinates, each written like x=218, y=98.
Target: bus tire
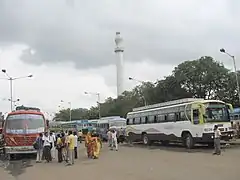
x=188, y=141
x=145, y=139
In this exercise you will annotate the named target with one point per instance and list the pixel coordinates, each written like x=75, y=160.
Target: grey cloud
x=83, y=32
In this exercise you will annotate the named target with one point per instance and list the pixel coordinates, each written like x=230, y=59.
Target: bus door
x=197, y=115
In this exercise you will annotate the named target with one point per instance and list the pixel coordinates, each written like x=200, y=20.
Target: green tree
x=76, y=114
x=203, y=78
x=169, y=89
x=121, y=105
x=228, y=91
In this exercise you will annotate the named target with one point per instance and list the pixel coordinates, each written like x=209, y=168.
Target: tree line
x=201, y=78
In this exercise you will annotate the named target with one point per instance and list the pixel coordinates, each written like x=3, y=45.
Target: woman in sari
x=59, y=148
x=64, y=147
x=88, y=144
x=97, y=145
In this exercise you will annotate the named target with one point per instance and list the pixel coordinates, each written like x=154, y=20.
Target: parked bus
x=106, y=123
x=55, y=126
x=94, y=123
x=21, y=128
x=84, y=125
x=189, y=120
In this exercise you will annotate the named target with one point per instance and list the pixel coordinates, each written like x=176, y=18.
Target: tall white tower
x=119, y=53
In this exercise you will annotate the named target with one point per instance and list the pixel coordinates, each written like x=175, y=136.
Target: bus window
x=165, y=117
x=146, y=120
x=155, y=119
x=171, y=117
x=160, y=118
x=182, y=116
x=133, y=121
x=177, y=116
x=130, y=121
x=151, y=119
x=137, y=120
x=188, y=115
x=127, y=121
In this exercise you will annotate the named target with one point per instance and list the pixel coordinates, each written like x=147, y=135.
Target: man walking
x=80, y=136
x=71, y=144
x=217, y=144
x=39, y=143
x=47, y=147
x=114, y=140
x=75, y=145
x=53, y=143
x=109, y=136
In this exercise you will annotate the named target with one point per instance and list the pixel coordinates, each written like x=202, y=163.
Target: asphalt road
x=134, y=163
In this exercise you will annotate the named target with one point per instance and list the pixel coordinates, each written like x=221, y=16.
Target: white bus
x=189, y=120
x=105, y=123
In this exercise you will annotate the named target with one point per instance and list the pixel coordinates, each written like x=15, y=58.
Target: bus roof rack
x=24, y=108
x=168, y=103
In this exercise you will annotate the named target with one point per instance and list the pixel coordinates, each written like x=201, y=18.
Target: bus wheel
x=145, y=139
x=188, y=141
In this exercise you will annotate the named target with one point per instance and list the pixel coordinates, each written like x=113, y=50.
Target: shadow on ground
x=179, y=147
x=17, y=166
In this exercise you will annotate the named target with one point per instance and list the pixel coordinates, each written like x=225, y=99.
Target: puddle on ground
x=16, y=166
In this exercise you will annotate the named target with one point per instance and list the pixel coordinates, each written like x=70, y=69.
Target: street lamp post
x=235, y=70
x=11, y=79
x=70, y=110
x=14, y=101
x=142, y=82
x=98, y=102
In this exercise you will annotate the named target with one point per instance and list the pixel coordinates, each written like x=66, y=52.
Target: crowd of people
x=66, y=145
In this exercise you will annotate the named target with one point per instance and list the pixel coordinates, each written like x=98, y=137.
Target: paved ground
x=135, y=163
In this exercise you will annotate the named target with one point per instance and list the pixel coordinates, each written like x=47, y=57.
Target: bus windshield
x=217, y=113
x=25, y=123
x=118, y=123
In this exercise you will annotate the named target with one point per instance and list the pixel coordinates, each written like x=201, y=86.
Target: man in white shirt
x=53, y=140
x=217, y=138
x=47, y=147
x=114, y=140
x=75, y=145
x=109, y=135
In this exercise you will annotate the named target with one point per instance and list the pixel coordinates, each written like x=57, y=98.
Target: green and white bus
x=189, y=120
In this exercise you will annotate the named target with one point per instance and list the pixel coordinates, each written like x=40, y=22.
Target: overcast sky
x=68, y=45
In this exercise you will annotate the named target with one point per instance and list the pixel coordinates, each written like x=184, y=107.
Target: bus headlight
x=208, y=129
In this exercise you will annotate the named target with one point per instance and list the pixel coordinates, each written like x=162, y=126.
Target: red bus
x=21, y=128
